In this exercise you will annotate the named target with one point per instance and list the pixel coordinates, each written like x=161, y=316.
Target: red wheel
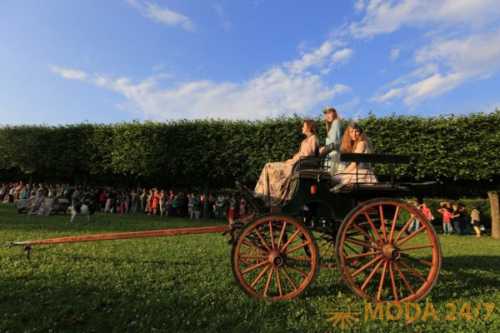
x=388, y=251
x=275, y=258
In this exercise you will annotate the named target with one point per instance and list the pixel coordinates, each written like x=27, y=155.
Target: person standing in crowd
x=170, y=203
x=134, y=201
x=446, y=214
x=103, y=196
x=475, y=220
x=190, y=198
x=196, y=206
x=425, y=210
x=458, y=218
x=333, y=140
x=161, y=202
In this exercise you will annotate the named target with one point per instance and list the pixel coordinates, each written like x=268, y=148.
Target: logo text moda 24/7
x=412, y=312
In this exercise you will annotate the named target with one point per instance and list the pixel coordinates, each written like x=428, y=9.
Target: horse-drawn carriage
x=384, y=248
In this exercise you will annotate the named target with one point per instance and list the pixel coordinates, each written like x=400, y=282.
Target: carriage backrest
x=375, y=158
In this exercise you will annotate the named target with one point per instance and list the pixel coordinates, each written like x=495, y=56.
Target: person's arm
x=308, y=147
x=360, y=148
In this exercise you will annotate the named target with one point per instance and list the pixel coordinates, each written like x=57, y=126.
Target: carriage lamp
x=314, y=189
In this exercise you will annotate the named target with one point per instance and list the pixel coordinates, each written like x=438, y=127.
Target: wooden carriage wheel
x=275, y=258
x=388, y=251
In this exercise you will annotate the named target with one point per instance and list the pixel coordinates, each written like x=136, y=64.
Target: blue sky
x=122, y=60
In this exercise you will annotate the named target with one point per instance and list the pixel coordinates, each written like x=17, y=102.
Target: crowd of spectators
x=153, y=201
x=44, y=199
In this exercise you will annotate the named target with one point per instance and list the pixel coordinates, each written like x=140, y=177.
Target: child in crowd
x=446, y=213
x=475, y=220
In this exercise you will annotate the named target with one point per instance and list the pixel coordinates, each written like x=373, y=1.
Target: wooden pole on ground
x=495, y=214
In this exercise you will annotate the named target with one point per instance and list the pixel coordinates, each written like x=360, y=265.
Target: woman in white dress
x=355, y=141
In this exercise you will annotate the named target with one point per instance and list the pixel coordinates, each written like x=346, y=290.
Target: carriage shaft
x=124, y=235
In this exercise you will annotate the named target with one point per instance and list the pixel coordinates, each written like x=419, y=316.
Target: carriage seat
x=311, y=168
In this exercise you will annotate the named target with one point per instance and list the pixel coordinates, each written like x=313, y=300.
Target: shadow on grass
x=56, y=304
x=460, y=276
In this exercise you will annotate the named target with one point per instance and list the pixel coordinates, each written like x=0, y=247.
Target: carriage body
x=384, y=248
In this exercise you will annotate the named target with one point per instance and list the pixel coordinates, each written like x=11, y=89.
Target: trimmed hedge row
x=216, y=152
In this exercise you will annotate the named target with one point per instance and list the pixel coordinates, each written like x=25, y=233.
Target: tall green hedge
x=217, y=152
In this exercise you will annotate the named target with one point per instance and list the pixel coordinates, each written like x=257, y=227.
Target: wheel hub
x=390, y=251
x=276, y=258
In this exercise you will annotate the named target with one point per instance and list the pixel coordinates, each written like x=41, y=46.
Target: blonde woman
x=275, y=177
x=333, y=140
x=355, y=141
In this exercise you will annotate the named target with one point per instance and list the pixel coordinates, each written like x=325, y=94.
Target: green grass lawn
x=185, y=284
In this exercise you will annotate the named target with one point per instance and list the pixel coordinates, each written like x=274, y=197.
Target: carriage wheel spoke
x=254, y=267
x=292, y=237
x=278, y=281
x=410, y=236
x=252, y=245
x=299, y=258
x=368, y=264
x=382, y=281
x=370, y=276
x=262, y=240
x=393, y=282
x=347, y=246
x=420, y=260
x=268, y=282
x=403, y=278
x=259, y=277
x=393, y=226
x=412, y=270
x=282, y=232
x=271, y=234
x=416, y=247
x=405, y=226
x=361, y=255
x=289, y=279
x=360, y=243
x=370, y=222
x=303, y=274
x=382, y=221
x=297, y=247
x=364, y=232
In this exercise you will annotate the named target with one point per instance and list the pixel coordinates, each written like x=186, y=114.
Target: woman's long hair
x=328, y=125
x=348, y=145
x=311, y=124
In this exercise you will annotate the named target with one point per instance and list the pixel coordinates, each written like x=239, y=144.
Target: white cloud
x=386, y=16
x=359, y=5
x=163, y=15
x=294, y=87
x=446, y=64
x=342, y=56
x=69, y=73
x=311, y=59
x=392, y=93
x=461, y=43
x=394, y=54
